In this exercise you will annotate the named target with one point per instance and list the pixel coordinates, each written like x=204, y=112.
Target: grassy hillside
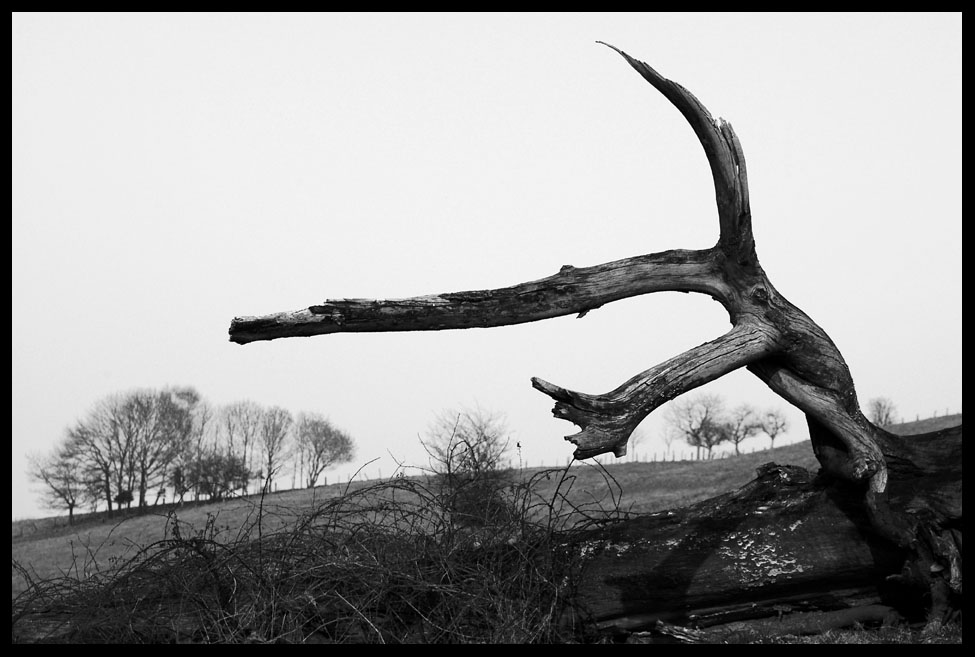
x=927, y=425
x=650, y=487
x=631, y=487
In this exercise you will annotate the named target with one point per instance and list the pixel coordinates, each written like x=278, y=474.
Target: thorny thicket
x=385, y=562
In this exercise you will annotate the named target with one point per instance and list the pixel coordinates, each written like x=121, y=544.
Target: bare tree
x=215, y=473
x=320, y=445
x=274, y=429
x=741, y=423
x=882, y=412
x=770, y=336
x=63, y=475
x=669, y=438
x=95, y=439
x=467, y=441
x=190, y=451
x=163, y=423
x=118, y=413
x=128, y=443
x=698, y=421
x=875, y=471
x=773, y=423
x=638, y=438
x=468, y=451
x=242, y=426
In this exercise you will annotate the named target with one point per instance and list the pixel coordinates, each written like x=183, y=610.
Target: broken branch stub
x=771, y=337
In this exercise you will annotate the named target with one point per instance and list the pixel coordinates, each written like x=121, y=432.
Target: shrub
x=383, y=563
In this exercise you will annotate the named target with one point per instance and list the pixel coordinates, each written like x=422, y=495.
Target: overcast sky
x=171, y=172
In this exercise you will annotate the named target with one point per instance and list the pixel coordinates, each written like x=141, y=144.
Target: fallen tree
x=788, y=553
x=880, y=525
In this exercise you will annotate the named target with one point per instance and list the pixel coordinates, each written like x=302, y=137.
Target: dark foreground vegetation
x=404, y=560
x=416, y=560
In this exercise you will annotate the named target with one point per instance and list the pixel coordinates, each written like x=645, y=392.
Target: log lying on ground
x=770, y=337
x=789, y=553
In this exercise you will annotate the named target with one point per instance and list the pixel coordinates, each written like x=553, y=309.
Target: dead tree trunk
x=788, y=553
x=906, y=491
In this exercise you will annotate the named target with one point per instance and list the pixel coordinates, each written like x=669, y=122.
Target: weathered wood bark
x=789, y=546
x=769, y=336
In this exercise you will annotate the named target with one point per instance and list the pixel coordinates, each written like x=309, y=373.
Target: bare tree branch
x=908, y=491
x=573, y=290
x=772, y=337
x=608, y=420
x=724, y=155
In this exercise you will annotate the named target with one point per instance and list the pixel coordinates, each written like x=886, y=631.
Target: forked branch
x=608, y=420
x=772, y=337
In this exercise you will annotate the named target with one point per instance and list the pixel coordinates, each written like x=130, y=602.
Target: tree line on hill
x=703, y=422
x=139, y=445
